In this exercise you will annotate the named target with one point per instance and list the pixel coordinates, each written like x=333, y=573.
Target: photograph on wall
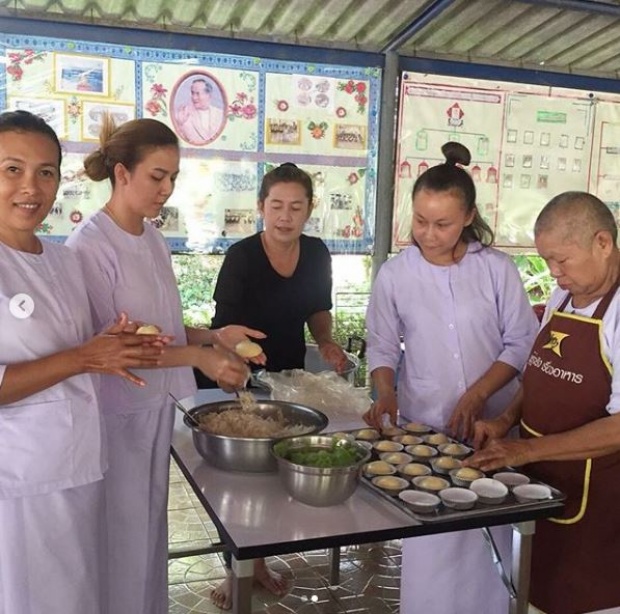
x=283, y=131
x=350, y=136
x=52, y=111
x=79, y=74
x=239, y=222
x=198, y=107
x=93, y=114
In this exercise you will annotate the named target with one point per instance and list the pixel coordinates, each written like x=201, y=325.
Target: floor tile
x=369, y=578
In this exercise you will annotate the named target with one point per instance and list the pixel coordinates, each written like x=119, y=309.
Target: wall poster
x=236, y=117
x=528, y=143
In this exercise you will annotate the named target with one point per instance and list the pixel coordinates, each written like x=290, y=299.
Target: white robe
x=134, y=274
x=52, y=526
x=455, y=322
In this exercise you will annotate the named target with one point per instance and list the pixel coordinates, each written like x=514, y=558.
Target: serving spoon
x=182, y=407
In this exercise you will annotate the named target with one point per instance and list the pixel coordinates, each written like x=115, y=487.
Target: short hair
x=286, y=173
x=208, y=86
x=448, y=177
x=128, y=144
x=25, y=121
x=579, y=215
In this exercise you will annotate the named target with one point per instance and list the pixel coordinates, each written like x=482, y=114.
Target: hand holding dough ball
x=148, y=329
x=248, y=349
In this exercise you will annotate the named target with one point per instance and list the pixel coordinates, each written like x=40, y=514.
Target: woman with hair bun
x=461, y=310
x=127, y=265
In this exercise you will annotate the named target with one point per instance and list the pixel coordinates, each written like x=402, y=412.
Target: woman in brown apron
x=570, y=433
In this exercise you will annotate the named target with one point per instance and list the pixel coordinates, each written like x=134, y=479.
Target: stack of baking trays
x=420, y=471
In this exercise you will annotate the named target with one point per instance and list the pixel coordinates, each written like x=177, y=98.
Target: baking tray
x=446, y=514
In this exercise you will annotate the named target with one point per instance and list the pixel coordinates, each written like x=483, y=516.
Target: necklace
x=124, y=227
x=110, y=213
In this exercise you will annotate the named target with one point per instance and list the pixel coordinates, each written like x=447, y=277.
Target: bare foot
x=221, y=595
x=269, y=579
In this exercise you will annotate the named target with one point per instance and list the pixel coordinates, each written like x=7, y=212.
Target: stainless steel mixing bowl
x=245, y=453
x=320, y=486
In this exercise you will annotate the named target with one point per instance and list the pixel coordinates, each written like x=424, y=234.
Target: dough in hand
x=248, y=349
x=148, y=329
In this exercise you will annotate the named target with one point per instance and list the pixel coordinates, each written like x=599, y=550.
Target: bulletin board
x=528, y=143
x=260, y=113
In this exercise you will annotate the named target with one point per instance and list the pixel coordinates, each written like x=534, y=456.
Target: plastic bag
x=326, y=391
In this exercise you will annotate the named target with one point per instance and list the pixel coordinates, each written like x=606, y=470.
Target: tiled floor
x=369, y=575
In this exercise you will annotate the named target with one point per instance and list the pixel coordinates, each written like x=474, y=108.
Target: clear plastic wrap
x=326, y=391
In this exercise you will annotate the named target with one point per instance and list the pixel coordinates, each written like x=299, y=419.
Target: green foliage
x=535, y=276
x=196, y=277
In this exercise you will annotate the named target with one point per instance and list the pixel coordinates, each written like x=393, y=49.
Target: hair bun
x=456, y=153
x=288, y=165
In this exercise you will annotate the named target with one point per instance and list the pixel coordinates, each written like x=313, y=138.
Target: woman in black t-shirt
x=276, y=281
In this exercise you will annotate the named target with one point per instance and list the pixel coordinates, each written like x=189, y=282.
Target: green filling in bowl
x=338, y=455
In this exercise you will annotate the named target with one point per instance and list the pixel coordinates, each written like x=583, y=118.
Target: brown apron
x=567, y=383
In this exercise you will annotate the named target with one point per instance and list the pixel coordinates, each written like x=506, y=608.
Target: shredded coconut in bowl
x=243, y=423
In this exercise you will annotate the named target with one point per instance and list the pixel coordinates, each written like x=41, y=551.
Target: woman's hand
x=385, y=404
x=225, y=368
x=124, y=325
x=501, y=453
x=115, y=352
x=465, y=414
x=230, y=336
x=332, y=353
x=486, y=431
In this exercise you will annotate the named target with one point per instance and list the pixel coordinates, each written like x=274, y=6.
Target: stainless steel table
x=257, y=518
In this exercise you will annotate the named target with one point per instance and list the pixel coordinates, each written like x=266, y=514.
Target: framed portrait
x=198, y=107
x=283, y=131
x=349, y=136
x=81, y=74
x=92, y=117
x=52, y=111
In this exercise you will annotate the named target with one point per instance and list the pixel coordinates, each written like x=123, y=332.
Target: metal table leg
x=522, y=533
x=242, y=581
x=334, y=566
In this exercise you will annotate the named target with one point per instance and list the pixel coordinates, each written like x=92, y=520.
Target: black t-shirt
x=250, y=292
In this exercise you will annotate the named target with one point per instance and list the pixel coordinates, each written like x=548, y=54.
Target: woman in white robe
x=127, y=265
x=460, y=309
x=52, y=459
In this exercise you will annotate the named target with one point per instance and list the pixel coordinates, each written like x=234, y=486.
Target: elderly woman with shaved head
x=568, y=410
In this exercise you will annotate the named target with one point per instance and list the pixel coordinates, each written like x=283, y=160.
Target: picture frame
x=198, y=108
x=52, y=111
x=279, y=131
x=92, y=117
x=350, y=136
x=82, y=74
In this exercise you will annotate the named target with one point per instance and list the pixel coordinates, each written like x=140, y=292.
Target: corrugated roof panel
x=451, y=24
x=502, y=32
x=490, y=30
x=590, y=36
x=255, y=18
x=390, y=22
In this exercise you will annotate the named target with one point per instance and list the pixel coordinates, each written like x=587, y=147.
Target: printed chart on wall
x=236, y=117
x=528, y=143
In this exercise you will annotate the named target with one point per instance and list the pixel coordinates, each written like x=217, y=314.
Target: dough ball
x=148, y=329
x=248, y=349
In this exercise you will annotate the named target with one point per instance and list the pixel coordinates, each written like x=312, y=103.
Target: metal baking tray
x=444, y=514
